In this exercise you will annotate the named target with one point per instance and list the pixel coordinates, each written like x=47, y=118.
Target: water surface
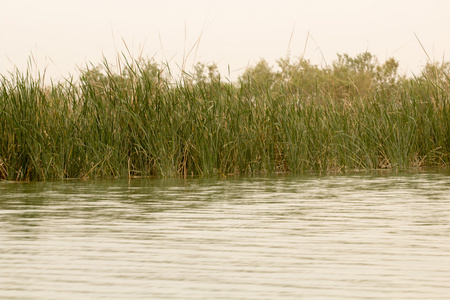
x=370, y=236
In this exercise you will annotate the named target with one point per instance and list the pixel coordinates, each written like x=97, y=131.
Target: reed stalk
x=143, y=122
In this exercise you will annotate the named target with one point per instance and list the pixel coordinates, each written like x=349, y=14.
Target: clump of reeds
x=354, y=114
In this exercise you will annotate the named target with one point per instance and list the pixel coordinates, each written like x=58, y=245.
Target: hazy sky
x=63, y=34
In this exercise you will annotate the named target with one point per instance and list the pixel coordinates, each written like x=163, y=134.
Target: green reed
x=140, y=121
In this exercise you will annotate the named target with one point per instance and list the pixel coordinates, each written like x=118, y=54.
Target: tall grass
x=142, y=122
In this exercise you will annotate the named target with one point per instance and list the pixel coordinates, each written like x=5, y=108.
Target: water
x=314, y=237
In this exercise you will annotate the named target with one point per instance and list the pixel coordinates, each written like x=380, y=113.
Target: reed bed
x=143, y=122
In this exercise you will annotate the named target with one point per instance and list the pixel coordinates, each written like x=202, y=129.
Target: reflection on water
x=314, y=237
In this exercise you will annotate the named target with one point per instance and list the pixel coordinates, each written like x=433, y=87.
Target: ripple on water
x=335, y=237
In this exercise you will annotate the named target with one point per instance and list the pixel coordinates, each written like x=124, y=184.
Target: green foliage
x=138, y=121
x=260, y=76
x=346, y=78
x=205, y=73
x=438, y=74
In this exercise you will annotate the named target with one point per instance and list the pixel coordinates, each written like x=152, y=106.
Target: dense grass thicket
x=140, y=121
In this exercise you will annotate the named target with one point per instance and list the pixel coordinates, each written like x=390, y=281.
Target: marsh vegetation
x=140, y=120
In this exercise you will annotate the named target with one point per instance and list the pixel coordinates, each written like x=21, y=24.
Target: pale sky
x=63, y=35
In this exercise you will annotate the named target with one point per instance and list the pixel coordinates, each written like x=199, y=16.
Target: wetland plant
x=354, y=114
